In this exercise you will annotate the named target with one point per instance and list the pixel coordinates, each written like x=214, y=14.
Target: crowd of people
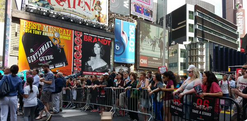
x=38, y=91
x=35, y=94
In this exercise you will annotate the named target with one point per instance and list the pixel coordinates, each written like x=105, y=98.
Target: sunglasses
x=189, y=71
x=244, y=68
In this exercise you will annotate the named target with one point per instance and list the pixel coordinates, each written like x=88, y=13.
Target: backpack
x=221, y=82
x=4, y=87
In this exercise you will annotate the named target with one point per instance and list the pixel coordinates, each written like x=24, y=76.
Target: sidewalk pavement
x=77, y=115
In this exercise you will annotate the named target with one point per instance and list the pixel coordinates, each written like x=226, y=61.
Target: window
x=212, y=20
x=182, y=66
x=191, y=28
x=191, y=15
x=183, y=53
x=191, y=39
x=173, y=65
x=200, y=27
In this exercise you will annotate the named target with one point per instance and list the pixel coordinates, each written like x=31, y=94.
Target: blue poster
x=124, y=49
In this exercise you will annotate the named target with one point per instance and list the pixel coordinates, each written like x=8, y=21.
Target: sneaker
x=49, y=117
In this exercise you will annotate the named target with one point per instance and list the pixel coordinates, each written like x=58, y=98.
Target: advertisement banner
x=142, y=8
x=95, y=53
x=177, y=106
x=124, y=49
x=94, y=10
x=240, y=19
x=150, y=39
x=203, y=109
x=45, y=44
x=120, y=7
x=121, y=69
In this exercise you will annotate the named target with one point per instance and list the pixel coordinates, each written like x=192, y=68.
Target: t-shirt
x=31, y=101
x=88, y=82
x=96, y=82
x=232, y=84
x=158, y=85
x=241, y=83
x=224, y=86
x=49, y=77
x=168, y=95
x=36, y=80
x=215, y=88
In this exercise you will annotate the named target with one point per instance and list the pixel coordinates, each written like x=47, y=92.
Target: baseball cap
x=190, y=67
x=105, y=74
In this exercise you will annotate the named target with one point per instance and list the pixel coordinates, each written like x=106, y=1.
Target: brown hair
x=134, y=76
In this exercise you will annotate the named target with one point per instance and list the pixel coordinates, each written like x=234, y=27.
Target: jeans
x=56, y=102
x=158, y=107
x=29, y=111
x=9, y=104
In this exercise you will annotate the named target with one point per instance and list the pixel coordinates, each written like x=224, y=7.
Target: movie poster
x=93, y=10
x=45, y=44
x=95, y=53
x=124, y=50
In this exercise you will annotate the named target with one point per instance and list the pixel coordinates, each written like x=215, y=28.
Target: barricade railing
x=158, y=106
x=244, y=114
x=99, y=97
x=74, y=96
x=194, y=108
x=133, y=100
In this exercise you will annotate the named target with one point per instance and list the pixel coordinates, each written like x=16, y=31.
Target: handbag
x=4, y=87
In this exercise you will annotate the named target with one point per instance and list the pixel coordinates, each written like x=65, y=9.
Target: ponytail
x=30, y=82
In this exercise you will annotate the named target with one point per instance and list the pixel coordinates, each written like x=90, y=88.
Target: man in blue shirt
x=48, y=88
x=60, y=82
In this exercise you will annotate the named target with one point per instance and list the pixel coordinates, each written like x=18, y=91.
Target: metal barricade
x=74, y=97
x=244, y=113
x=194, y=108
x=158, y=106
x=135, y=101
x=99, y=97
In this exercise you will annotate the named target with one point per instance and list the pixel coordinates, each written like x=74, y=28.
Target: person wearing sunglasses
x=187, y=88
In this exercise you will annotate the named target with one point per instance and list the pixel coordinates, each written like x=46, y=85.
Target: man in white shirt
x=241, y=85
x=36, y=78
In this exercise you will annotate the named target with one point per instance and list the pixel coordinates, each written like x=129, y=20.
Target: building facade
x=201, y=32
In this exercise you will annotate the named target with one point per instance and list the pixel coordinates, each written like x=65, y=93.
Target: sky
x=174, y=4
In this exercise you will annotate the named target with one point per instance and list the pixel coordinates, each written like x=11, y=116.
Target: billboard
x=94, y=10
x=124, y=49
x=142, y=8
x=240, y=17
x=41, y=43
x=93, y=51
x=150, y=39
x=120, y=7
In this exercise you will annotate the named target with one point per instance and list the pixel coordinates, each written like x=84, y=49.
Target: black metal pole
x=5, y=30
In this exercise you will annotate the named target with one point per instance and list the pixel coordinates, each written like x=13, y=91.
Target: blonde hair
x=196, y=73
